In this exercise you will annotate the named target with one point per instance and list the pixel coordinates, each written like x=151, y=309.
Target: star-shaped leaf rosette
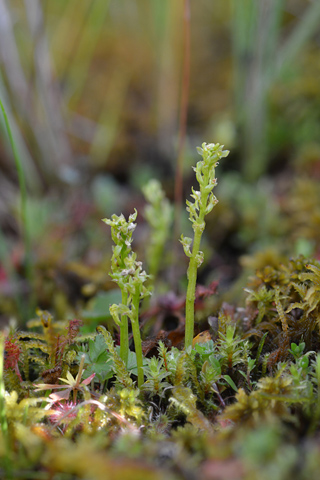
x=74, y=385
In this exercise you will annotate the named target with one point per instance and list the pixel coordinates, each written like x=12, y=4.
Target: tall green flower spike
x=203, y=203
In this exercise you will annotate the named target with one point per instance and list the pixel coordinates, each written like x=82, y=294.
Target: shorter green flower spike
x=202, y=204
x=121, y=233
x=128, y=273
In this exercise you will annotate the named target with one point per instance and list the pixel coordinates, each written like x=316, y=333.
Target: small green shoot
x=297, y=350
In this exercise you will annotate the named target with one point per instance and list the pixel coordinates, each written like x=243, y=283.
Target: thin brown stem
x=178, y=190
x=183, y=115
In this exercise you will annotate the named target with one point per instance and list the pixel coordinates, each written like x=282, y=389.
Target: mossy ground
x=243, y=403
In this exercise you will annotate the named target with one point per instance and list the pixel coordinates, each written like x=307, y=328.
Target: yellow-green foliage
x=292, y=288
x=260, y=365
x=122, y=374
x=25, y=411
x=184, y=400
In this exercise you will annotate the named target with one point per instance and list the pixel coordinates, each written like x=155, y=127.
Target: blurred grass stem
x=259, y=60
x=178, y=189
x=48, y=91
x=23, y=196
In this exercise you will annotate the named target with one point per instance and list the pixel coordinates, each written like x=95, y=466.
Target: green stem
x=191, y=291
x=124, y=333
x=192, y=271
x=80, y=371
x=137, y=336
x=3, y=415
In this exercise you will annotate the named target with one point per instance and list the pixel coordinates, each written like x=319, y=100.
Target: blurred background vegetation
x=92, y=91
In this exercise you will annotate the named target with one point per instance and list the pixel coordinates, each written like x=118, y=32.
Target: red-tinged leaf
x=88, y=380
x=203, y=292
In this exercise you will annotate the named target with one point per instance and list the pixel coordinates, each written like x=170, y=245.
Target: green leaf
x=98, y=360
x=132, y=362
x=97, y=349
x=99, y=306
x=103, y=371
x=214, y=362
x=204, y=349
x=229, y=380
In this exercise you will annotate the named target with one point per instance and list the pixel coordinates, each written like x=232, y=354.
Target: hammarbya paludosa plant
x=131, y=278
x=121, y=233
x=203, y=203
x=159, y=214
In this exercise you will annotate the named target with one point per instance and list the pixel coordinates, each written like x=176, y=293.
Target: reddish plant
x=63, y=413
x=63, y=340
x=12, y=355
x=73, y=329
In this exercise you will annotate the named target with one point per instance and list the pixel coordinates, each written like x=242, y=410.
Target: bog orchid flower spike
x=127, y=272
x=202, y=204
x=121, y=233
